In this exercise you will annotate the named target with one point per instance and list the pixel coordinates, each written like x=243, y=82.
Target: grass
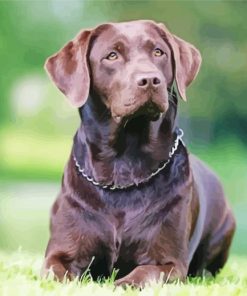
x=19, y=275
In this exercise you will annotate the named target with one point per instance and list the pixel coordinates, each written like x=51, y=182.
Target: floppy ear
x=68, y=69
x=187, y=60
x=187, y=64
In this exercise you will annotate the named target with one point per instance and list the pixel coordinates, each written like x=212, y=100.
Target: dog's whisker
x=126, y=122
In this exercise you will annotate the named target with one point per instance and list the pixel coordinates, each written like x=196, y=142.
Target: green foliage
x=19, y=275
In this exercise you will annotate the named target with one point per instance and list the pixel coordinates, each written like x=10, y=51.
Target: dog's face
x=131, y=71
x=129, y=65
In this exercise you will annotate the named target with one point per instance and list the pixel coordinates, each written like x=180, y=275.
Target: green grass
x=19, y=275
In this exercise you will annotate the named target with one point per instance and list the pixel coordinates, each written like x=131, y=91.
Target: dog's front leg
x=145, y=274
x=54, y=265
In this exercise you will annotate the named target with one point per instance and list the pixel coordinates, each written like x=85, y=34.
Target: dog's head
x=129, y=65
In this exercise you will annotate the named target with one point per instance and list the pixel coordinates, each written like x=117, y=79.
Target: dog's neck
x=112, y=153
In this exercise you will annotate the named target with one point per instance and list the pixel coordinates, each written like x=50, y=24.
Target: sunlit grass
x=19, y=275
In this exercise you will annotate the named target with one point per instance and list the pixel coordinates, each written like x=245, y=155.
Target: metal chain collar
x=180, y=134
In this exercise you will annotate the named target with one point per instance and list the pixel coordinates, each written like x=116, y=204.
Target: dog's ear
x=187, y=63
x=187, y=60
x=68, y=69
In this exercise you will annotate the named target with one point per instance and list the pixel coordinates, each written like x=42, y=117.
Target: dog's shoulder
x=200, y=166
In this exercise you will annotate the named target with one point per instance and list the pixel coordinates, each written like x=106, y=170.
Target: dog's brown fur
x=176, y=224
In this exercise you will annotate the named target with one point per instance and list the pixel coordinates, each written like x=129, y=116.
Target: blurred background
x=37, y=123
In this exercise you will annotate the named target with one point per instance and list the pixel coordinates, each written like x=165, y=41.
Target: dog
x=132, y=197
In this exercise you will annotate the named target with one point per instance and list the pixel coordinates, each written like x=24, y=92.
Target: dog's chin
x=142, y=116
x=153, y=116
x=150, y=111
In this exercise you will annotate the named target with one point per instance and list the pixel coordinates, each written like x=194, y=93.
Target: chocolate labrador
x=132, y=197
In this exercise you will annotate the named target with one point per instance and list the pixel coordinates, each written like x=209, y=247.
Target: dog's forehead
x=135, y=29
x=131, y=31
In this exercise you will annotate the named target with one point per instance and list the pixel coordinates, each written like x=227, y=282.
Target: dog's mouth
x=150, y=111
x=146, y=113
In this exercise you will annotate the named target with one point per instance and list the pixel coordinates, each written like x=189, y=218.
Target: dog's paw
x=125, y=282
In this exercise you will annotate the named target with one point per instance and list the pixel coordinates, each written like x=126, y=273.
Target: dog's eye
x=158, y=52
x=112, y=56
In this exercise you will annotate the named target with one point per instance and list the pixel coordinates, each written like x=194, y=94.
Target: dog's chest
x=138, y=216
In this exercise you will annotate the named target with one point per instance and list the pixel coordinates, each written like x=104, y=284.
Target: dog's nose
x=148, y=80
